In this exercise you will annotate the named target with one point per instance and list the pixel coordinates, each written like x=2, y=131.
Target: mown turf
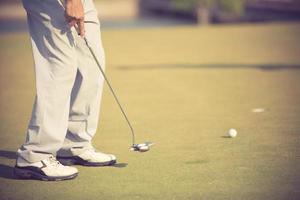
x=183, y=88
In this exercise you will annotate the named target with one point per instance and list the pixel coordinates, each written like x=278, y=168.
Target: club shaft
x=106, y=80
x=112, y=90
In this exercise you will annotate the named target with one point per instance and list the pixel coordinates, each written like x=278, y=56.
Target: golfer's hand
x=75, y=15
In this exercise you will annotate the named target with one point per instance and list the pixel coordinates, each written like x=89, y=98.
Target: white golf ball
x=232, y=133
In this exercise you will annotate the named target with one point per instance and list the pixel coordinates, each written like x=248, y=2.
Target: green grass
x=183, y=88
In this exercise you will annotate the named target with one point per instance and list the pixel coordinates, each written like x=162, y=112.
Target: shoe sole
x=76, y=160
x=29, y=174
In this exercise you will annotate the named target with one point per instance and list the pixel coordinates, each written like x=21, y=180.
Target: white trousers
x=68, y=82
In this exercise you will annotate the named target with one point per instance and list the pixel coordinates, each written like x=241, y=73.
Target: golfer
x=68, y=90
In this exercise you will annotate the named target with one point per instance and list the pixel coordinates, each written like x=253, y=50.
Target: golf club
x=142, y=147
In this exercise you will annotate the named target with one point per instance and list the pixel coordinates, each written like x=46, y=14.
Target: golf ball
x=232, y=133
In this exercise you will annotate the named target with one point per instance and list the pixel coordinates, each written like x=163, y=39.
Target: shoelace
x=91, y=152
x=53, y=161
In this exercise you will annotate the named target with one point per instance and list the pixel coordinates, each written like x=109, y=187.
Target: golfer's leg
x=87, y=91
x=55, y=71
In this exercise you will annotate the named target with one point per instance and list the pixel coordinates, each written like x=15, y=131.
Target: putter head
x=142, y=147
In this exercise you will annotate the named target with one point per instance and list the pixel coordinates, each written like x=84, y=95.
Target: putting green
x=183, y=88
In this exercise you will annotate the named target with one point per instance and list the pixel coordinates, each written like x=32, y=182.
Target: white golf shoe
x=48, y=169
x=89, y=157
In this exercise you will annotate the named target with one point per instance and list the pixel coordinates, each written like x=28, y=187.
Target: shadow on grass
x=265, y=67
x=6, y=171
x=120, y=165
x=226, y=136
x=8, y=154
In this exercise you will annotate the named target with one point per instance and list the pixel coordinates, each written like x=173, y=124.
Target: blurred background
x=137, y=13
x=186, y=71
